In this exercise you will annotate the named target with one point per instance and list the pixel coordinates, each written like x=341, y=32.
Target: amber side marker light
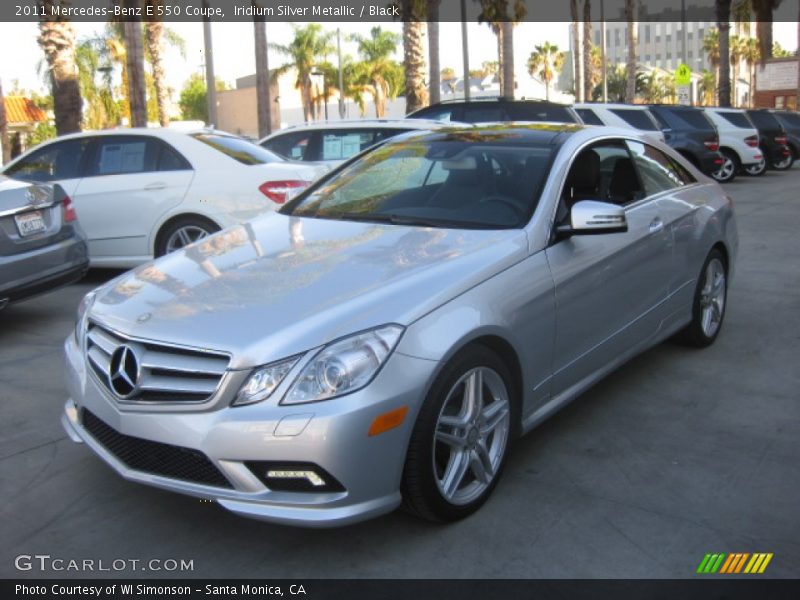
x=388, y=420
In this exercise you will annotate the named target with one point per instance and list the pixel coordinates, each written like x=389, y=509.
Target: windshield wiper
x=412, y=221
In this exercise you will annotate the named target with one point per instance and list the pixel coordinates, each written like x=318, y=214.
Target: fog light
x=310, y=476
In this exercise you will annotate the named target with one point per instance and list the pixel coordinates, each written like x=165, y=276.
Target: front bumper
x=330, y=434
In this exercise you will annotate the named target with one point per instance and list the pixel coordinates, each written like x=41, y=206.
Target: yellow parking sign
x=683, y=75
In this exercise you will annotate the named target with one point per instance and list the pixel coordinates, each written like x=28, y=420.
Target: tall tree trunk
x=763, y=15
x=576, y=52
x=587, y=50
x=4, y=129
x=630, y=83
x=500, y=72
x=797, y=106
x=435, y=81
x=263, y=100
x=508, y=59
x=154, y=35
x=134, y=57
x=414, y=58
x=57, y=40
x=723, y=9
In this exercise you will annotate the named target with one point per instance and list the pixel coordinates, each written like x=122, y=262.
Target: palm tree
x=134, y=53
x=763, y=12
x=707, y=87
x=435, y=82
x=378, y=67
x=711, y=48
x=630, y=17
x=544, y=62
x=57, y=40
x=496, y=14
x=738, y=50
x=577, y=52
x=6, y=156
x=413, y=12
x=588, y=86
x=263, y=100
x=652, y=88
x=752, y=54
x=595, y=71
x=723, y=10
x=310, y=44
x=154, y=38
x=100, y=109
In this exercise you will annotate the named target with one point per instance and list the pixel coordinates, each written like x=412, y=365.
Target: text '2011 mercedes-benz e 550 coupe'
x=384, y=337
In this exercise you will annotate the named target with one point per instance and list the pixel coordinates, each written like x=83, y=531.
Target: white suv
x=628, y=116
x=738, y=143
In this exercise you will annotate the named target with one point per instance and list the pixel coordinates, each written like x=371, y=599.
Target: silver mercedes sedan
x=384, y=338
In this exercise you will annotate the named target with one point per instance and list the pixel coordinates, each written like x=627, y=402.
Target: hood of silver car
x=281, y=285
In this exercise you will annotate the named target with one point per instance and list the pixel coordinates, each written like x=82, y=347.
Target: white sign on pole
x=684, y=95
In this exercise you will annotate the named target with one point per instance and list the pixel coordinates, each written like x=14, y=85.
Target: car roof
x=504, y=132
x=363, y=123
x=162, y=132
x=610, y=105
x=479, y=99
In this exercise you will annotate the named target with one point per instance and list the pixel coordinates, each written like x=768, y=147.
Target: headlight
x=80, y=322
x=344, y=366
x=263, y=381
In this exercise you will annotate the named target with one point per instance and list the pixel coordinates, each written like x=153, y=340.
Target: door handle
x=656, y=225
x=159, y=185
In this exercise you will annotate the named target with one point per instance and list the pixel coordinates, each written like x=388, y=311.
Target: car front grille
x=155, y=458
x=164, y=374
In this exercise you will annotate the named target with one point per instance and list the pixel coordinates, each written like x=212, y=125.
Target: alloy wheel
x=471, y=435
x=757, y=168
x=726, y=171
x=184, y=236
x=712, y=297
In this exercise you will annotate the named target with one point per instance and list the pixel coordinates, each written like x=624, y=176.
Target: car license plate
x=30, y=222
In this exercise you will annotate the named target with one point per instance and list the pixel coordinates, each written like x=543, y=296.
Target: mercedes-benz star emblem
x=123, y=372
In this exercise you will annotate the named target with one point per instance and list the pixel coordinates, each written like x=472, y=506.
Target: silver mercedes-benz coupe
x=385, y=336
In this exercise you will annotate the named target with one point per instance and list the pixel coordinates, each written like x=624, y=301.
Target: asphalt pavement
x=679, y=453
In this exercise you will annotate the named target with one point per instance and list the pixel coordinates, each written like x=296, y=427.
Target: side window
x=638, y=119
x=657, y=170
x=342, y=144
x=439, y=113
x=121, y=155
x=59, y=160
x=293, y=146
x=170, y=160
x=588, y=116
x=604, y=172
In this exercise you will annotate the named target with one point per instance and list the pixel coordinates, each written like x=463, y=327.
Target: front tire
x=460, y=441
x=710, y=301
x=181, y=232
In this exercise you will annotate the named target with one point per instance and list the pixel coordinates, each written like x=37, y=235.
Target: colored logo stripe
x=735, y=563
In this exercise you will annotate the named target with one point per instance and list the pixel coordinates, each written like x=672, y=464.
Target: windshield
x=442, y=183
x=238, y=149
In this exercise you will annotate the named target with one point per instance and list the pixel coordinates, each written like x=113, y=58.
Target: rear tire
x=710, y=301
x=460, y=441
x=181, y=232
x=756, y=170
x=785, y=164
x=730, y=167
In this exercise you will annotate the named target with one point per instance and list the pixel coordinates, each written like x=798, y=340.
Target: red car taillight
x=751, y=141
x=68, y=211
x=781, y=139
x=712, y=144
x=280, y=191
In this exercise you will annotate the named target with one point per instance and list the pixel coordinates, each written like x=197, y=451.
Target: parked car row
x=721, y=142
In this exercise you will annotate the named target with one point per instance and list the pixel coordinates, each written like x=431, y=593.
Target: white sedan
x=142, y=193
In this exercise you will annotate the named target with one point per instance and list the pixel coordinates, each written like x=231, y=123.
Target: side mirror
x=590, y=217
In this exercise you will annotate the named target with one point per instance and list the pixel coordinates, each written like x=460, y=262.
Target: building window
x=647, y=58
x=647, y=34
x=669, y=55
x=690, y=36
x=669, y=39
x=616, y=37
x=658, y=57
x=691, y=54
x=780, y=101
x=658, y=39
x=701, y=34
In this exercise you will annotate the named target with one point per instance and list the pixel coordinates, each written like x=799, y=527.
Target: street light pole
x=211, y=85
